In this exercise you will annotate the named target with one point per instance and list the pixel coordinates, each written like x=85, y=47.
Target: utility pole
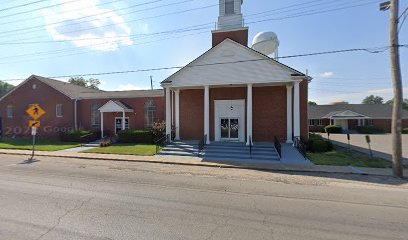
x=151, y=82
x=398, y=96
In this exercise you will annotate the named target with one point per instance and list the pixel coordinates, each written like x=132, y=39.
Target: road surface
x=78, y=199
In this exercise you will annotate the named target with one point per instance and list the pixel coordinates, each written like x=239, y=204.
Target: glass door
x=229, y=128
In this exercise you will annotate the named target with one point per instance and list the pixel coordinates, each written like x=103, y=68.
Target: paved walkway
x=381, y=144
x=192, y=161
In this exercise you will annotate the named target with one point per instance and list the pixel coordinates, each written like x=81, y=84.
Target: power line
x=206, y=64
x=21, y=5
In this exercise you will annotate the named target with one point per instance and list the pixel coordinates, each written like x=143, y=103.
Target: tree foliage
x=373, y=100
x=311, y=103
x=404, y=103
x=90, y=83
x=5, y=88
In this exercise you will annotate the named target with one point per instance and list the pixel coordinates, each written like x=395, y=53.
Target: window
x=370, y=122
x=150, y=112
x=319, y=122
x=229, y=7
x=95, y=115
x=365, y=122
x=311, y=122
x=58, y=110
x=10, y=111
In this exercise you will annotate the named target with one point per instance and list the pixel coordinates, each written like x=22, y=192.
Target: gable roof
x=115, y=106
x=78, y=92
x=379, y=111
x=245, y=65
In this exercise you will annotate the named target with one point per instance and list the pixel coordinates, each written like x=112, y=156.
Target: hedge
x=135, y=136
x=333, y=129
x=316, y=143
x=79, y=136
x=369, y=130
x=405, y=131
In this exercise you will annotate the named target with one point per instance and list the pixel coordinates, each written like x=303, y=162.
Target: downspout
x=75, y=113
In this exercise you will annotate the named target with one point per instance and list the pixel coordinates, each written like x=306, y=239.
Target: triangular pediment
x=114, y=106
x=232, y=63
x=345, y=114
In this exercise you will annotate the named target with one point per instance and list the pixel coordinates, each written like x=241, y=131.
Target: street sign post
x=35, y=111
x=368, y=140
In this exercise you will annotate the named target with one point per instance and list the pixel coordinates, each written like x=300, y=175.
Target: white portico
x=225, y=71
x=115, y=107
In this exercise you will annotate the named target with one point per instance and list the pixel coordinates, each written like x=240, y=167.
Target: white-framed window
x=370, y=122
x=149, y=113
x=365, y=122
x=229, y=7
x=95, y=115
x=58, y=110
x=10, y=111
x=319, y=122
x=311, y=122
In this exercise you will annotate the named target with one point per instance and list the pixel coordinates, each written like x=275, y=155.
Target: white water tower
x=266, y=43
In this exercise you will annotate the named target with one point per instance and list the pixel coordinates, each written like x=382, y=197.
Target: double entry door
x=229, y=120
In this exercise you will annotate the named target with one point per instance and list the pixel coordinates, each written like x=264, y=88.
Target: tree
x=311, y=103
x=373, y=100
x=80, y=81
x=404, y=103
x=5, y=88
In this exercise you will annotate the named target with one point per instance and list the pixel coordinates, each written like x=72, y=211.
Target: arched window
x=149, y=113
x=95, y=115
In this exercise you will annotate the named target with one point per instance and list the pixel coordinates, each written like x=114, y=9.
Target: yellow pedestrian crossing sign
x=34, y=123
x=35, y=111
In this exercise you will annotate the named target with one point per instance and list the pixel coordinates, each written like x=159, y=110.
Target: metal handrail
x=250, y=146
x=278, y=146
x=162, y=142
x=201, y=144
x=300, y=145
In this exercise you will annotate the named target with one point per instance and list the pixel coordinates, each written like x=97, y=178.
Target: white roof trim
x=114, y=106
x=346, y=115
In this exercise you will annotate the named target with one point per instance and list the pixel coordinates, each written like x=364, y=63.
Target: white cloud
x=127, y=87
x=84, y=15
x=386, y=93
x=326, y=75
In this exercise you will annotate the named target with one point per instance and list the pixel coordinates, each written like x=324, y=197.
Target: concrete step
x=240, y=156
x=243, y=159
x=183, y=154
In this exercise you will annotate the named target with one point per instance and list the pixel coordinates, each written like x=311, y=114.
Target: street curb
x=238, y=165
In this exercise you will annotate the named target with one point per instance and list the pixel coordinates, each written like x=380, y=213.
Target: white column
x=102, y=125
x=123, y=120
x=207, y=113
x=289, y=113
x=177, y=113
x=296, y=111
x=249, y=113
x=168, y=112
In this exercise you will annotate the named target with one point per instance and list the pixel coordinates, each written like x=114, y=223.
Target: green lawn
x=126, y=149
x=41, y=145
x=344, y=158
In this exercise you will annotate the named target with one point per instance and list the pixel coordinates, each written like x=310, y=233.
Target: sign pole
x=33, y=132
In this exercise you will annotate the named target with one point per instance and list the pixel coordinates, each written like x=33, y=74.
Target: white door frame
x=220, y=112
x=121, y=118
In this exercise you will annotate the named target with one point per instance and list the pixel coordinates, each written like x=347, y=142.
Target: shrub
x=79, y=136
x=158, y=129
x=370, y=130
x=316, y=143
x=135, y=136
x=333, y=129
x=405, y=131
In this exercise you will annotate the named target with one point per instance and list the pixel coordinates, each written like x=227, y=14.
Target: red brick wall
x=47, y=97
x=316, y=128
x=191, y=114
x=303, y=97
x=383, y=123
x=136, y=118
x=240, y=36
x=269, y=111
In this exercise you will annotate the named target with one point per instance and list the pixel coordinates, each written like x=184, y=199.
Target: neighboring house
x=350, y=116
x=70, y=107
x=234, y=93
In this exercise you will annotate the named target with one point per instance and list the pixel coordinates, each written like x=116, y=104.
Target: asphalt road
x=78, y=199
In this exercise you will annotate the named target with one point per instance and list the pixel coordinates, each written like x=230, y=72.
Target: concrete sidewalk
x=195, y=161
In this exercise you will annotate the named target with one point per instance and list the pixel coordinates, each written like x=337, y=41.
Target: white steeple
x=230, y=15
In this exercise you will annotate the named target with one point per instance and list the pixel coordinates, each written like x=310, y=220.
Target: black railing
x=300, y=145
x=201, y=144
x=250, y=146
x=162, y=142
x=278, y=146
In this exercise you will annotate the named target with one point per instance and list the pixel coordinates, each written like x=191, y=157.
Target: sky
x=54, y=38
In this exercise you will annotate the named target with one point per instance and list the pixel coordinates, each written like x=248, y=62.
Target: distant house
x=350, y=116
x=70, y=107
